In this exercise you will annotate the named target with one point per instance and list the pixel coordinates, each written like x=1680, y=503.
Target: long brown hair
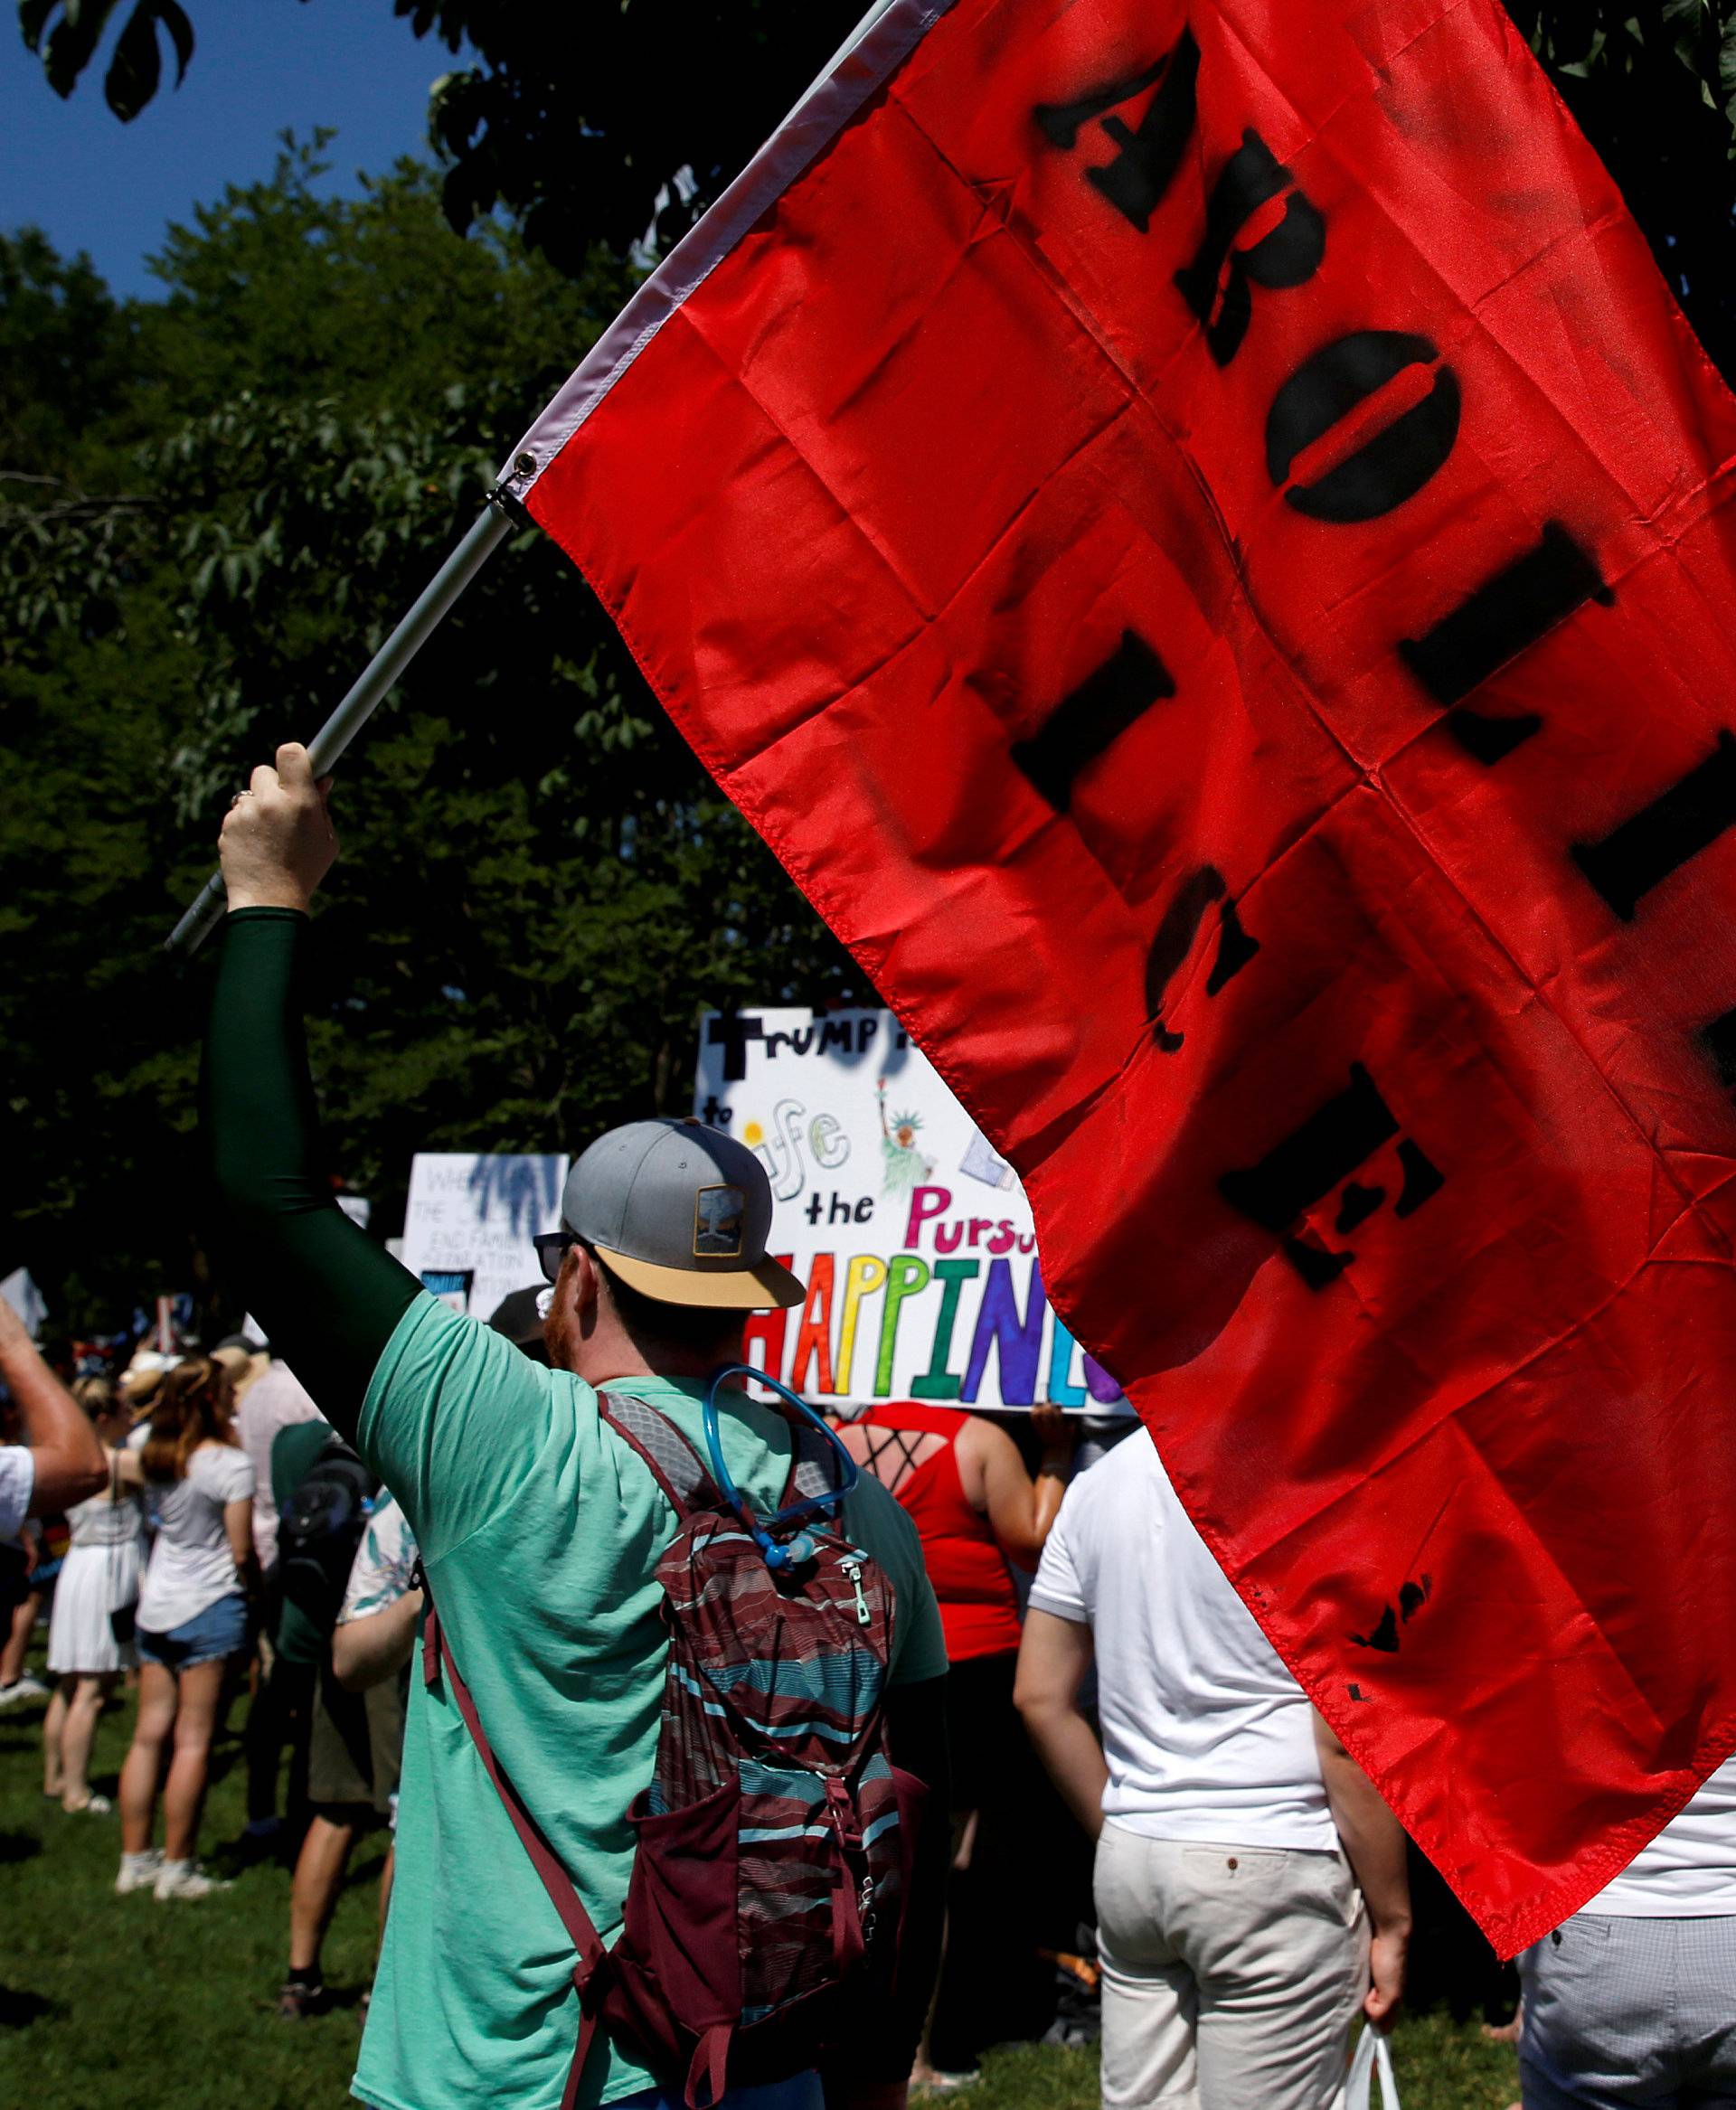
x=194, y=1405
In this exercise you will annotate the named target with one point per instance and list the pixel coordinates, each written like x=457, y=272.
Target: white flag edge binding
x=875, y=49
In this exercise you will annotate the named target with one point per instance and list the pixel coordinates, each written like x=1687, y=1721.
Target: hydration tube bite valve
x=780, y=1554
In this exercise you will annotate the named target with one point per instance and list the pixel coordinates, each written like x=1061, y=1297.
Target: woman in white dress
x=99, y=1577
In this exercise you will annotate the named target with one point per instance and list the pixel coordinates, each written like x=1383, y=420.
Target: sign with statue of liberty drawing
x=914, y=1238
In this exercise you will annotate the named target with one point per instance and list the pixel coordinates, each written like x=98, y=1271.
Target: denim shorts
x=220, y=1630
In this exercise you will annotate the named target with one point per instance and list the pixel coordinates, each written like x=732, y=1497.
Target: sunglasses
x=552, y=1249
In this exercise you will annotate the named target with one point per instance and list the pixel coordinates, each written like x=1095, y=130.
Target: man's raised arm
x=66, y=1460
x=328, y=1296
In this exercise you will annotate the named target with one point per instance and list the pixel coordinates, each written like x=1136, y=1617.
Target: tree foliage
x=212, y=508
x=600, y=123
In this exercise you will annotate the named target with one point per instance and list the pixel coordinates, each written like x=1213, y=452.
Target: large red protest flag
x=1197, y=534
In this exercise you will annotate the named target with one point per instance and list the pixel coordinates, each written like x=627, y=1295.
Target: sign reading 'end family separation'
x=471, y=1220
x=913, y=1238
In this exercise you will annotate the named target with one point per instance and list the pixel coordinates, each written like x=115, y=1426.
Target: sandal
x=299, y=1999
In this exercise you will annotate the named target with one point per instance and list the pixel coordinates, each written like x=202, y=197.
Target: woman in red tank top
x=975, y=1509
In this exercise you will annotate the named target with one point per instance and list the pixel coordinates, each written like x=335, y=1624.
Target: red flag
x=1198, y=536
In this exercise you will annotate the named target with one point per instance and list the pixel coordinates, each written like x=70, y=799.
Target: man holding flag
x=541, y=1538
x=1230, y=615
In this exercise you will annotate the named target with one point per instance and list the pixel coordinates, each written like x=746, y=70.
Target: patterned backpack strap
x=813, y=1464
x=675, y=1466
x=591, y=1958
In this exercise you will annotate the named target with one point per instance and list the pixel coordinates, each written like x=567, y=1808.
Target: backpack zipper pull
x=852, y=1568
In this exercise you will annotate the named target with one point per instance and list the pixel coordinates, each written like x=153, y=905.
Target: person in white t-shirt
x=1633, y=2000
x=191, y=1617
x=1242, y=1857
x=60, y=1461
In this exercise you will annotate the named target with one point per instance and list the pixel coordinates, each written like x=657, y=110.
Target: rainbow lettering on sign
x=869, y=1305
x=913, y=1238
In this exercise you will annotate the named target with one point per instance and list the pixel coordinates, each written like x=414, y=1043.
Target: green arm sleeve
x=328, y=1296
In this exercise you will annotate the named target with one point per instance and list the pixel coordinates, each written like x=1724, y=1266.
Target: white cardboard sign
x=915, y=1240
x=471, y=1220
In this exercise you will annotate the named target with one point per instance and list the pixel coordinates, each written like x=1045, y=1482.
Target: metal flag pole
x=328, y=744
x=448, y=583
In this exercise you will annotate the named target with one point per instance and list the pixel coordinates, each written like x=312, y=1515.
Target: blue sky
x=94, y=184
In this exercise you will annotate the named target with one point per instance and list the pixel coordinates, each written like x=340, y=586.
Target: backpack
x=774, y=1843
x=323, y=1523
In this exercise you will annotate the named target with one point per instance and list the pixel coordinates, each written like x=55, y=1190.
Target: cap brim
x=767, y=1285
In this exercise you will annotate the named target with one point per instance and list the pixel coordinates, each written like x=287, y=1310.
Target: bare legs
x=313, y=1896
x=143, y=1764
x=176, y=1715
x=69, y=1730
x=184, y=1792
x=24, y=1625
x=53, y=1728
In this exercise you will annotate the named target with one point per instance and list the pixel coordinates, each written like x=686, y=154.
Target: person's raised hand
x=278, y=842
x=1058, y=1433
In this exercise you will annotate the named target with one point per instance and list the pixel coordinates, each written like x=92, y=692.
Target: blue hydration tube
x=801, y=1548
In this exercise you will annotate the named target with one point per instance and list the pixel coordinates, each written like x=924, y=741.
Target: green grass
x=120, y=2003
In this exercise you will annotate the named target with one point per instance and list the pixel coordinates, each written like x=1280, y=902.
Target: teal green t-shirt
x=541, y=1532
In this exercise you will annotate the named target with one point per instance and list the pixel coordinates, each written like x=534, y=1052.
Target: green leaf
x=73, y=41
x=174, y=19
x=136, y=65
x=32, y=19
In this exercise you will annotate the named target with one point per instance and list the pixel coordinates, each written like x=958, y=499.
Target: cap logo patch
x=720, y=1216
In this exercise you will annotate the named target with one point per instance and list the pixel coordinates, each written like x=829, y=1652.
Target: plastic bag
x=1374, y=2055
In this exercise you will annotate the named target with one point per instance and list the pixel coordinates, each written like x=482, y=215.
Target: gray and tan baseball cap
x=681, y=1212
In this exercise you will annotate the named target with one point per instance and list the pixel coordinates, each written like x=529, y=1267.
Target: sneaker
x=26, y=1687
x=138, y=1871
x=185, y=1878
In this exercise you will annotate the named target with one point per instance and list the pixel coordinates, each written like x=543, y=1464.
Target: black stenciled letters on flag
x=1197, y=535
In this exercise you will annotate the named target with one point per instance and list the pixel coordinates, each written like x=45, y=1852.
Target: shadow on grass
x=16, y=1846
x=224, y=1759
x=18, y=2011
x=237, y=1857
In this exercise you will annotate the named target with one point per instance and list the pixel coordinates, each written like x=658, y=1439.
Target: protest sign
x=471, y=1220
x=912, y=1233
x=1197, y=534
x=22, y=1295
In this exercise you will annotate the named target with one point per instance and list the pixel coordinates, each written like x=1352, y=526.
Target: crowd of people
x=745, y=1759
x=235, y=1544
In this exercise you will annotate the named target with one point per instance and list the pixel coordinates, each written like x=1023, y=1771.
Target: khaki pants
x=1231, y=1975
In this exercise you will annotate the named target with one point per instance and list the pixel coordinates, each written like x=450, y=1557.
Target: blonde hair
x=97, y=1396
x=194, y=1405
